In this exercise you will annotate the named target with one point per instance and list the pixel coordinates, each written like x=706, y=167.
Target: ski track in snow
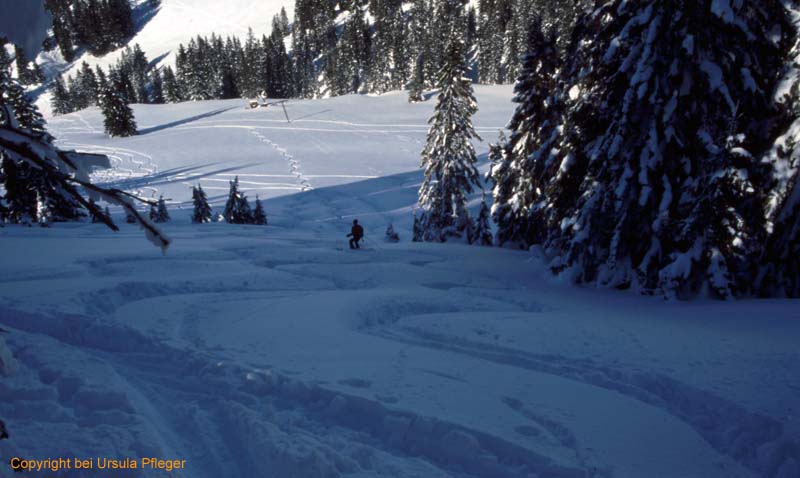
x=728, y=427
x=130, y=168
x=230, y=412
x=234, y=402
x=294, y=165
x=242, y=402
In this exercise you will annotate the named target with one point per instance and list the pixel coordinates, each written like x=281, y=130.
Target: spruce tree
x=418, y=233
x=85, y=90
x=494, y=16
x=161, y=214
x=172, y=92
x=20, y=199
x=415, y=88
x=259, y=216
x=483, y=229
x=381, y=76
x=157, y=93
x=449, y=158
x=353, y=51
x=523, y=15
x=25, y=74
x=237, y=208
x=420, y=46
x=655, y=183
x=463, y=225
x=31, y=195
x=779, y=268
x=779, y=264
x=251, y=65
x=202, y=211
x=519, y=163
x=102, y=82
x=60, y=98
x=118, y=116
x=26, y=113
x=62, y=28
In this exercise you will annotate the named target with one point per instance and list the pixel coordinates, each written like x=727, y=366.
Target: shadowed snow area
x=275, y=351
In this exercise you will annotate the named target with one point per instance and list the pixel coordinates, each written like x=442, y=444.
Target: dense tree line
x=646, y=156
x=99, y=26
x=400, y=48
x=28, y=72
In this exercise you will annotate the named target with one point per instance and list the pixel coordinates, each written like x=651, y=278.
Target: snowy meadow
x=580, y=253
x=277, y=351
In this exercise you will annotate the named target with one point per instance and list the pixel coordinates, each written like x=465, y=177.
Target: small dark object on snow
x=391, y=235
x=356, y=233
x=3, y=432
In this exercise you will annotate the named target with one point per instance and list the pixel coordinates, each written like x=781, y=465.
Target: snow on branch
x=67, y=174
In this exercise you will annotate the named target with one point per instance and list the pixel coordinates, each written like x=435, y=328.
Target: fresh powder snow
x=275, y=351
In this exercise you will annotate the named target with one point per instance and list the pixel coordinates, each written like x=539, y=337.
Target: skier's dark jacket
x=357, y=231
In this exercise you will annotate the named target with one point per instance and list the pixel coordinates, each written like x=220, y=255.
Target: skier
x=356, y=233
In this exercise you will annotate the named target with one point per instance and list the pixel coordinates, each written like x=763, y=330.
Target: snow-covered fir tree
x=117, y=115
x=27, y=72
x=519, y=163
x=514, y=41
x=102, y=81
x=463, y=225
x=483, y=228
x=31, y=195
x=237, y=208
x=60, y=99
x=172, y=92
x=99, y=26
x=448, y=159
x=420, y=49
x=84, y=90
x=159, y=213
x=655, y=182
x=157, y=91
x=202, y=210
x=779, y=268
x=779, y=273
x=259, y=215
x=493, y=17
x=418, y=233
x=354, y=53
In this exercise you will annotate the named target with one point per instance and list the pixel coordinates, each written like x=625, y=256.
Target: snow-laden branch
x=66, y=174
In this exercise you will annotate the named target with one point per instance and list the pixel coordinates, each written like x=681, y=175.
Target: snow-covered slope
x=274, y=351
x=161, y=29
x=328, y=142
